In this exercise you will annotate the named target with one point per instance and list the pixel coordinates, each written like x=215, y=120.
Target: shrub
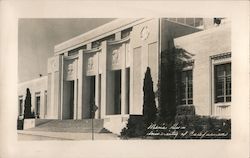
x=185, y=110
x=20, y=124
x=195, y=127
x=149, y=106
x=27, y=105
x=135, y=127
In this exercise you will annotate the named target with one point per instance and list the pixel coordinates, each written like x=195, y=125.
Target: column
x=97, y=94
x=131, y=86
x=42, y=104
x=118, y=36
x=103, y=61
x=89, y=45
x=23, y=105
x=33, y=102
x=80, y=85
x=59, y=84
x=75, y=98
x=123, y=81
x=97, y=87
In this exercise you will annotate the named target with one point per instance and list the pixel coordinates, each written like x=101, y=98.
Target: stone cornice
x=70, y=57
x=118, y=41
x=92, y=50
x=221, y=56
x=98, y=33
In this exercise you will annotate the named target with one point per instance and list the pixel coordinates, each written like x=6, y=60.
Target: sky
x=37, y=38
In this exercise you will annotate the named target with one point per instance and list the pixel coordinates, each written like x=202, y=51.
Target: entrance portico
x=107, y=72
x=98, y=76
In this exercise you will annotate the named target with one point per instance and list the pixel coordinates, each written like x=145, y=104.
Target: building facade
x=105, y=67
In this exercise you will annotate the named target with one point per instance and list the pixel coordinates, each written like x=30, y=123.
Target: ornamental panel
x=91, y=63
x=53, y=65
x=144, y=33
x=70, y=69
x=115, y=57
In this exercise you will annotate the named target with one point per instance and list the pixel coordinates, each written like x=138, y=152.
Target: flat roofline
x=33, y=80
x=95, y=34
x=200, y=33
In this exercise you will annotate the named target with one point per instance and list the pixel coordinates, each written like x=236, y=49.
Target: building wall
x=144, y=44
x=143, y=47
x=54, y=88
x=204, y=45
x=38, y=87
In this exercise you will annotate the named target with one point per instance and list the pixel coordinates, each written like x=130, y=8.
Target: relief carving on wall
x=90, y=63
x=70, y=69
x=115, y=57
x=144, y=33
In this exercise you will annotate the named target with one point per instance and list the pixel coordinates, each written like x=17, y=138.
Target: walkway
x=45, y=135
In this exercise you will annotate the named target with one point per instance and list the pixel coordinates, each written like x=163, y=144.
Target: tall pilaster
x=75, y=98
x=104, y=79
x=80, y=85
x=123, y=80
x=42, y=103
x=55, y=87
x=97, y=95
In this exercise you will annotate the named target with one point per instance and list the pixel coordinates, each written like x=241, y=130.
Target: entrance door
x=117, y=92
x=68, y=100
x=37, y=107
x=71, y=102
x=92, y=102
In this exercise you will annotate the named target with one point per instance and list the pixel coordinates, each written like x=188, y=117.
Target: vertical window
x=37, y=106
x=172, y=19
x=222, y=83
x=97, y=43
x=181, y=20
x=128, y=90
x=125, y=33
x=198, y=22
x=117, y=92
x=190, y=21
x=45, y=102
x=20, y=106
x=75, y=51
x=187, y=87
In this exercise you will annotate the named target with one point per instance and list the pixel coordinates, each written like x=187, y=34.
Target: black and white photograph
x=158, y=78
x=124, y=79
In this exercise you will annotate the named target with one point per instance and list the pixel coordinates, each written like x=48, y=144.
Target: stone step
x=81, y=126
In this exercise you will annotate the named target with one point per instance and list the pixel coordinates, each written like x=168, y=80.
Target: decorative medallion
x=53, y=65
x=115, y=56
x=144, y=33
x=90, y=63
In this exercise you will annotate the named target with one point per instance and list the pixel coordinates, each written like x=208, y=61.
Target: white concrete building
x=106, y=66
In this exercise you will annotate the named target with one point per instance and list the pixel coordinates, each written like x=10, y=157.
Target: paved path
x=28, y=137
x=44, y=135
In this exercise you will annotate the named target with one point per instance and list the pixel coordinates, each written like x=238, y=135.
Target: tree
x=168, y=85
x=149, y=106
x=27, y=105
x=172, y=62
